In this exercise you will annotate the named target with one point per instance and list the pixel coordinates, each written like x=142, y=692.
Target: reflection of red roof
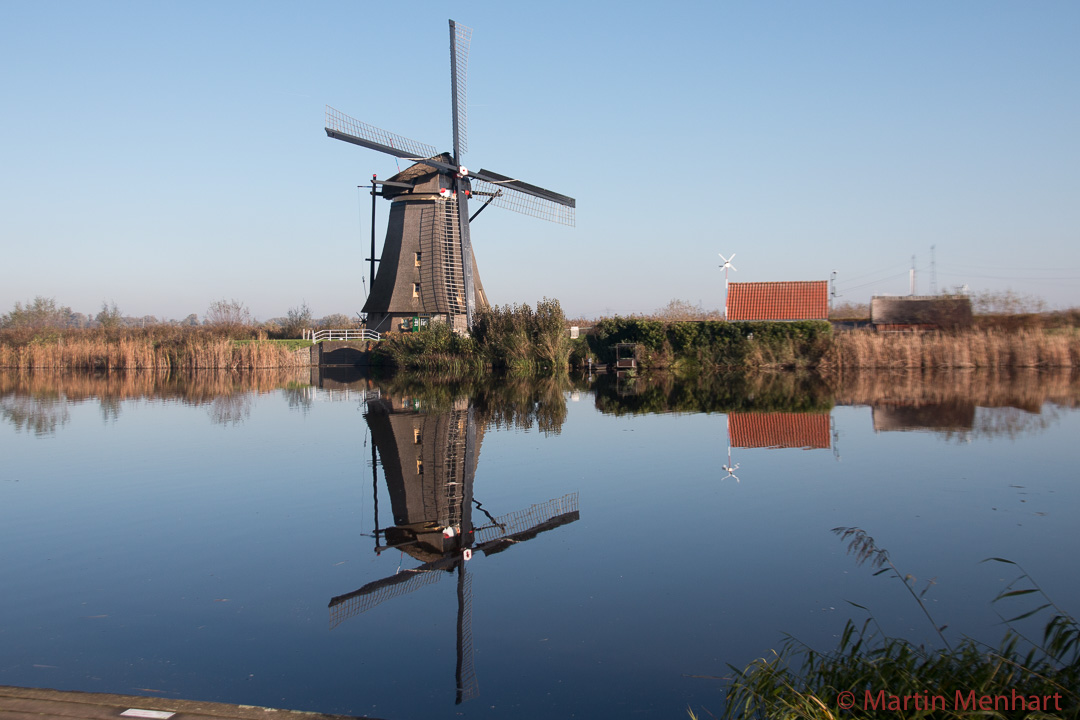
x=779, y=430
x=778, y=300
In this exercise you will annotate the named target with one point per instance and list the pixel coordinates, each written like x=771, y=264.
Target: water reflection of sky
x=190, y=551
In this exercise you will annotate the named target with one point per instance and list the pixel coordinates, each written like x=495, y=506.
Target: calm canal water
x=299, y=541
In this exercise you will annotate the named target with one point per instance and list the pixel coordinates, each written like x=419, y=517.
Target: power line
x=874, y=282
x=1026, y=277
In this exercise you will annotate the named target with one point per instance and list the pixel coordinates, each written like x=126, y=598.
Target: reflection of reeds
x=765, y=391
x=509, y=401
x=968, y=349
x=192, y=350
x=1027, y=389
x=38, y=414
x=32, y=400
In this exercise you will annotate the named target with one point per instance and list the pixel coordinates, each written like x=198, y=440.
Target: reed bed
x=979, y=348
x=191, y=351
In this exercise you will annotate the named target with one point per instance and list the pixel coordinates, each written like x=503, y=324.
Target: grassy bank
x=712, y=345
x=525, y=341
x=159, y=348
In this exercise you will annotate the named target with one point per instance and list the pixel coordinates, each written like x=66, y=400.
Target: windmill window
x=416, y=259
x=419, y=467
x=416, y=436
x=416, y=290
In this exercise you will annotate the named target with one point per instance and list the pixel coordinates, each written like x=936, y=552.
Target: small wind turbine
x=727, y=264
x=729, y=467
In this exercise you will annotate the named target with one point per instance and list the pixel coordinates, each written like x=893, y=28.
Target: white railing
x=320, y=335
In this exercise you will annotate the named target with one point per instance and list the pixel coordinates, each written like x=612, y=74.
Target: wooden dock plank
x=38, y=703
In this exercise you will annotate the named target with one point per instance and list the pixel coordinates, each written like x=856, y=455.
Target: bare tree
x=228, y=315
x=297, y=319
x=677, y=310
x=1007, y=302
x=337, y=321
x=850, y=311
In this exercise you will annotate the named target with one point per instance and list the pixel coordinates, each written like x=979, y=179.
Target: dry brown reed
x=979, y=348
x=192, y=351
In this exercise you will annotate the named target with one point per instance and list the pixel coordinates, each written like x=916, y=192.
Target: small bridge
x=320, y=335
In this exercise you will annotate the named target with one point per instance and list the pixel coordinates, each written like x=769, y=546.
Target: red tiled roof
x=779, y=430
x=808, y=300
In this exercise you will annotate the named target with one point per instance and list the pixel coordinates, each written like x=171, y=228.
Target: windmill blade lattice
x=342, y=127
x=506, y=197
x=531, y=517
x=344, y=607
x=467, y=685
x=460, y=41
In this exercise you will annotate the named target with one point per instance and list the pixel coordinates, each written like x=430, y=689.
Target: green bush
x=715, y=343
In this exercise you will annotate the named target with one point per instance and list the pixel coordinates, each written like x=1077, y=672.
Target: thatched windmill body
x=427, y=269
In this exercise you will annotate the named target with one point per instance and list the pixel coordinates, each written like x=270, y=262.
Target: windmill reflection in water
x=429, y=465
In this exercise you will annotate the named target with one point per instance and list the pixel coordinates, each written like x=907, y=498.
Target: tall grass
x=876, y=672
x=711, y=345
x=160, y=348
x=977, y=348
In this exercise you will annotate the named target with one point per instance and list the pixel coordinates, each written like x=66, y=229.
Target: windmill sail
x=528, y=523
x=465, y=672
x=507, y=530
x=460, y=40
x=342, y=127
x=524, y=198
x=363, y=599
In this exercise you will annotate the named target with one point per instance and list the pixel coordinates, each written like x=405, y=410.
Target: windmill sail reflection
x=429, y=464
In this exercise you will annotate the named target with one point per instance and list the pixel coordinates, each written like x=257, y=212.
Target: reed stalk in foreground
x=872, y=675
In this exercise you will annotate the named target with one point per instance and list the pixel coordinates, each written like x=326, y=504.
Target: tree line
x=44, y=313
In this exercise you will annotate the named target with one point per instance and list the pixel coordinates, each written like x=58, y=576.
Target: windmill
x=432, y=509
x=427, y=268
x=727, y=264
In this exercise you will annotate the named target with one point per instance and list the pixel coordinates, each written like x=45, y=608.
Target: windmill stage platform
x=17, y=703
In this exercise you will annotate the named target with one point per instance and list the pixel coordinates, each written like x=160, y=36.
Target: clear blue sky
x=165, y=155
